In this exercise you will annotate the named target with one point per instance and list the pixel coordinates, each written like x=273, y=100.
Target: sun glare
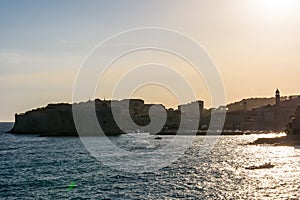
x=275, y=9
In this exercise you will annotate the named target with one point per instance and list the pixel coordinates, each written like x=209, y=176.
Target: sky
x=254, y=44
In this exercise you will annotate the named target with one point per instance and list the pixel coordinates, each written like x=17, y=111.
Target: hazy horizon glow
x=254, y=44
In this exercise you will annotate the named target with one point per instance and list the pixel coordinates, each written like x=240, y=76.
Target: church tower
x=277, y=97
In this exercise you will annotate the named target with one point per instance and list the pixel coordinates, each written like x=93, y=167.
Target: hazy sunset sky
x=255, y=44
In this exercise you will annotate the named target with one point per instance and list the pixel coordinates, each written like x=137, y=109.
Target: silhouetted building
x=264, y=118
x=277, y=97
x=192, y=109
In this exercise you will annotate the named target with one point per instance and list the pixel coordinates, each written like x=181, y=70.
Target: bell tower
x=277, y=97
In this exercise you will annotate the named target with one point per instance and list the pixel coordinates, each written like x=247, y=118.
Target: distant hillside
x=252, y=103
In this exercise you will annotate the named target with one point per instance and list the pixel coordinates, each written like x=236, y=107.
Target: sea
x=33, y=167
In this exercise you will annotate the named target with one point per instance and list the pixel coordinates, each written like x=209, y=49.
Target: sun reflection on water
x=283, y=176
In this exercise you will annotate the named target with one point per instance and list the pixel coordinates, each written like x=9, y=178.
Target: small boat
x=264, y=166
x=157, y=138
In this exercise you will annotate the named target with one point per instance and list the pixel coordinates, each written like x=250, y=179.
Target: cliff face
x=57, y=120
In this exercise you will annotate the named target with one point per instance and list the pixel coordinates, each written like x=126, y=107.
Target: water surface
x=41, y=167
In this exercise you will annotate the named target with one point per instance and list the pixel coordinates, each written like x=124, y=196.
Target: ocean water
x=34, y=167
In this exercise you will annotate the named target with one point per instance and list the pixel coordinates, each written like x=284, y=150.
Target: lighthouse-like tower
x=277, y=97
